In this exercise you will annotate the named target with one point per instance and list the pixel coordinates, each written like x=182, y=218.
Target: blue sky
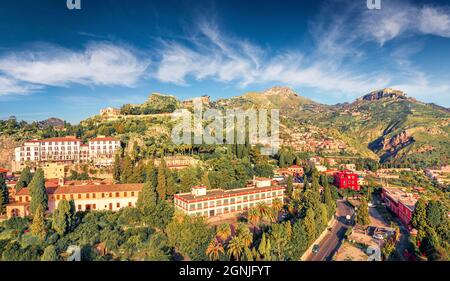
x=56, y=62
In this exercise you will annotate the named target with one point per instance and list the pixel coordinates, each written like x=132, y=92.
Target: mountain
x=51, y=122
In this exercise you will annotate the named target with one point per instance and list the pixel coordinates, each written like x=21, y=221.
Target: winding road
x=332, y=241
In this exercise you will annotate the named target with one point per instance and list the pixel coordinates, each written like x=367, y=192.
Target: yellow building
x=54, y=170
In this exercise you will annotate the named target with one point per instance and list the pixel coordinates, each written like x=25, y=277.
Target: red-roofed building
x=86, y=197
x=100, y=150
x=209, y=203
x=346, y=180
x=3, y=172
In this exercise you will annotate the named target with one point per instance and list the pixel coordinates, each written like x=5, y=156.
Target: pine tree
x=282, y=161
x=49, y=254
x=38, y=225
x=170, y=183
x=4, y=195
x=151, y=174
x=161, y=188
x=24, y=180
x=117, y=167
x=38, y=193
x=148, y=198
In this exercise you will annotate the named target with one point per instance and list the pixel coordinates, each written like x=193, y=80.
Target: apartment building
x=209, y=203
x=401, y=203
x=102, y=150
x=69, y=149
x=86, y=197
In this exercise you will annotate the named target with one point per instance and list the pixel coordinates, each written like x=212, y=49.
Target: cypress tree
x=310, y=225
x=362, y=216
x=63, y=218
x=38, y=193
x=127, y=170
x=116, y=167
x=161, y=188
x=24, y=179
x=4, y=195
x=419, y=216
x=327, y=198
x=305, y=183
x=38, y=225
x=290, y=185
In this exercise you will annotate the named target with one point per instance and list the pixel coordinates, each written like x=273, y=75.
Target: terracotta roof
x=98, y=188
x=220, y=193
x=3, y=170
x=104, y=139
x=25, y=191
x=87, y=188
x=60, y=139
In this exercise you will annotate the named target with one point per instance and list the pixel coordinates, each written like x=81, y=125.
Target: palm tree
x=277, y=204
x=224, y=231
x=214, y=249
x=244, y=233
x=253, y=215
x=265, y=211
x=235, y=248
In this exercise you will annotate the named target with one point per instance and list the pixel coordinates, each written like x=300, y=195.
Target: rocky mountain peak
x=386, y=93
x=280, y=91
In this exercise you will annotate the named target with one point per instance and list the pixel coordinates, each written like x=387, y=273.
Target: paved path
x=331, y=242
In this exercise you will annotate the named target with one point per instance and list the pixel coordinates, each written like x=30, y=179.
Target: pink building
x=402, y=204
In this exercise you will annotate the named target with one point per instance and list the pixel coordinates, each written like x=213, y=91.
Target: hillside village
x=339, y=168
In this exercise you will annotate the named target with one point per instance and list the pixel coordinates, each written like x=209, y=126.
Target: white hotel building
x=209, y=203
x=100, y=151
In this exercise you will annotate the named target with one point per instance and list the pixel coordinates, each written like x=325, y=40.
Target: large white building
x=209, y=203
x=100, y=151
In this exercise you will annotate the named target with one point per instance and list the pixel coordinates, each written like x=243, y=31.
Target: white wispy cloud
x=399, y=18
x=213, y=55
x=98, y=64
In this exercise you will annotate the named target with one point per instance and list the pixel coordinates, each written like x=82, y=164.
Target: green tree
x=126, y=170
x=4, y=195
x=24, y=179
x=362, y=215
x=49, y=254
x=161, y=188
x=63, y=217
x=39, y=197
x=436, y=214
x=310, y=225
x=299, y=241
x=419, y=216
x=289, y=185
x=38, y=225
x=327, y=198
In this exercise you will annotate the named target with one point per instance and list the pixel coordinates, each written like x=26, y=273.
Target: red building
x=402, y=204
x=3, y=172
x=346, y=180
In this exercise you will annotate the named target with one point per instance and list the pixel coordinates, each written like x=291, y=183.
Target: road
x=332, y=241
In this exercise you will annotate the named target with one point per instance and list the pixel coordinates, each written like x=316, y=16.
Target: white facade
x=68, y=149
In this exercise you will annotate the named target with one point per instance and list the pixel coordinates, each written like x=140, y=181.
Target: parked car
x=378, y=236
x=315, y=249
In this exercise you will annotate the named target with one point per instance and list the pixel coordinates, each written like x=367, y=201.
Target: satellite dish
x=348, y=217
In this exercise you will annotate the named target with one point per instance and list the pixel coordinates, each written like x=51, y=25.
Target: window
x=103, y=195
x=94, y=206
x=87, y=195
x=199, y=205
x=225, y=201
x=79, y=207
x=118, y=205
x=132, y=193
x=79, y=196
x=57, y=197
x=245, y=198
x=232, y=200
x=125, y=194
x=129, y=204
x=110, y=194
x=117, y=194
